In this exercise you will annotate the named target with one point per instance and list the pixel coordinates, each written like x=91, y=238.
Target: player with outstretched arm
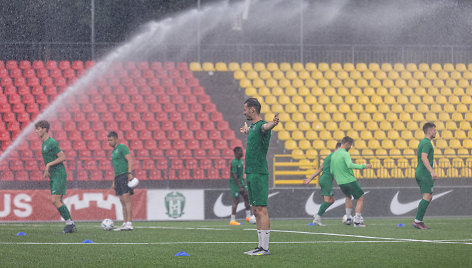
x=257, y=173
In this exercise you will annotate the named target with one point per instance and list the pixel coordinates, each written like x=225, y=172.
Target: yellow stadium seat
x=467, y=144
x=251, y=92
x=405, y=116
x=438, y=83
x=264, y=108
x=451, y=125
x=345, y=126
x=298, y=66
x=378, y=117
x=402, y=99
x=330, y=75
x=338, y=117
x=337, y=100
x=208, y=67
x=289, y=108
x=360, y=144
x=423, y=67
x=401, y=144
x=406, y=134
x=304, y=75
x=317, y=75
x=393, y=76
x=285, y=83
x=317, y=108
x=311, y=135
x=239, y=75
x=331, y=144
x=366, y=134
x=372, y=126
x=455, y=144
x=297, y=154
x=457, y=117
x=259, y=66
x=448, y=67
x=456, y=75
x=361, y=67
x=246, y=66
x=411, y=67
x=393, y=135
x=319, y=145
x=272, y=66
x=357, y=125
x=323, y=66
x=387, y=144
x=412, y=125
x=311, y=154
x=266, y=75
x=405, y=75
x=357, y=108
x=284, y=117
x=318, y=126
x=245, y=83
x=338, y=134
x=348, y=67
x=221, y=67
x=418, y=117
x=349, y=83
x=398, y=67
x=465, y=125
x=304, y=126
x=368, y=75
x=290, y=145
x=195, y=67
x=323, y=83
x=343, y=75
x=325, y=135
x=298, y=117
x=290, y=91
x=303, y=91
x=283, y=135
x=365, y=117
x=441, y=144
x=436, y=67
x=257, y=83
x=428, y=99
x=296, y=99
x=264, y=92
x=304, y=144
x=310, y=83
x=336, y=66
x=460, y=67
x=374, y=67
x=460, y=134
x=379, y=135
x=331, y=126
x=381, y=75
x=291, y=75
x=283, y=99
x=271, y=83
x=462, y=108
x=278, y=75
x=451, y=83
x=414, y=143
x=430, y=75
x=310, y=117
x=353, y=134
x=386, y=67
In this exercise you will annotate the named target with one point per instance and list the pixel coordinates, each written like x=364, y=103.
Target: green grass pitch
x=216, y=244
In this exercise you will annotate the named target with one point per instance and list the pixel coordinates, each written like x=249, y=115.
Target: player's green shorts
x=326, y=184
x=352, y=188
x=58, y=182
x=258, y=189
x=235, y=191
x=425, y=182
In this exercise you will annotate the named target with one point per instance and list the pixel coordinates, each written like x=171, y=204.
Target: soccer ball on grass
x=107, y=224
x=252, y=219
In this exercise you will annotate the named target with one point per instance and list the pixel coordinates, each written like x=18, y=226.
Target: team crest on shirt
x=175, y=204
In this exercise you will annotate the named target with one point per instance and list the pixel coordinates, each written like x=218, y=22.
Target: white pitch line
x=373, y=237
x=195, y=242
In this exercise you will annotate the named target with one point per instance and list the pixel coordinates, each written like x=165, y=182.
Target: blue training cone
x=87, y=241
x=182, y=253
x=400, y=225
x=20, y=233
x=310, y=224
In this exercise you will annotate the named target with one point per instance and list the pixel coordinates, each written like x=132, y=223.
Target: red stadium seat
x=11, y=64
x=178, y=144
x=207, y=144
x=167, y=125
x=172, y=153
x=208, y=125
x=78, y=65
x=156, y=65
x=194, y=125
x=150, y=144
x=214, y=152
x=201, y=135
x=164, y=145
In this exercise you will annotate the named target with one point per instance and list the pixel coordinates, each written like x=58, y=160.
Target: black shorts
x=121, y=185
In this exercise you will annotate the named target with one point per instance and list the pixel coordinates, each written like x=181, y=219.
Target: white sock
x=69, y=222
x=265, y=235
x=417, y=221
x=248, y=213
x=357, y=217
x=259, y=234
x=317, y=217
x=233, y=218
x=129, y=223
x=348, y=212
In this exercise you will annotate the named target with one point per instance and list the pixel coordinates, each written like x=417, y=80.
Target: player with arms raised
x=424, y=173
x=55, y=170
x=257, y=173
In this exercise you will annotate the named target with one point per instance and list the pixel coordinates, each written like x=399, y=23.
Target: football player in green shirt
x=341, y=168
x=237, y=186
x=123, y=166
x=326, y=184
x=55, y=170
x=257, y=173
x=424, y=173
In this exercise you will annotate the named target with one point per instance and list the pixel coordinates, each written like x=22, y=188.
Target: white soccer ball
x=252, y=219
x=133, y=183
x=346, y=220
x=107, y=224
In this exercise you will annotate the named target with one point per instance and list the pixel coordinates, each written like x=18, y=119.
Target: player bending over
x=341, y=168
x=326, y=184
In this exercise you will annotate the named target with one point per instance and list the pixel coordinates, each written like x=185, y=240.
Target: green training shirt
x=256, y=151
x=238, y=169
x=326, y=167
x=120, y=164
x=49, y=150
x=425, y=146
x=341, y=167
